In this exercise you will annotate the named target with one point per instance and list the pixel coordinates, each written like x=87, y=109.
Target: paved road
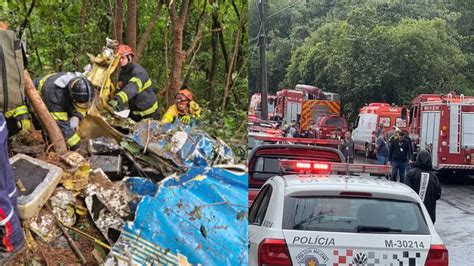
x=454, y=218
x=455, y=221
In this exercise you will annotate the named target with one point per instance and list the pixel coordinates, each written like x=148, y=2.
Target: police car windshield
x=354, y=215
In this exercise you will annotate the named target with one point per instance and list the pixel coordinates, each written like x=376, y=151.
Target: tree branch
x=132, y=24
x=216, y=27
x=172, y=9
x=198, y=36
x=28, y=13
x=146, y=35
x=118, y=20
x=183, y=14
x=232, y=62
x=236, y=10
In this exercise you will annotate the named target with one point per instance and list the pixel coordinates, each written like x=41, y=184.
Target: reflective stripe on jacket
x=61, y=106
x=137, y=91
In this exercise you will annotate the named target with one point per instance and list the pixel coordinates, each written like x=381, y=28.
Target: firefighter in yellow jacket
x=184, y=109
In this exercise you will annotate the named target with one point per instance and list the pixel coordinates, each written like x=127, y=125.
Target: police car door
x=256, y=218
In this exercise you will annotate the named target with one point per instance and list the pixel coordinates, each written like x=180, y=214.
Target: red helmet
x=186, y=93
x=124, y=50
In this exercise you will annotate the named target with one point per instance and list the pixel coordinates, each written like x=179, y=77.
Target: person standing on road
x=338, y=134
x=379, y=130
x=292, y=130
x=382, y=149
x=391, y=133
x=347, y=148
x=411, y=157
x=398, y=156
x=424, y=181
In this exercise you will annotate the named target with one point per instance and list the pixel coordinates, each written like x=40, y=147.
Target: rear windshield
x=345, y=214
x=269, y=165
x=335, y=122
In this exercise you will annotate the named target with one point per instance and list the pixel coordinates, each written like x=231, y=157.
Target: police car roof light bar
x=328, y=167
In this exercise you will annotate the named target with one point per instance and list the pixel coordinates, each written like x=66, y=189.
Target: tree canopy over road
x=367, y=50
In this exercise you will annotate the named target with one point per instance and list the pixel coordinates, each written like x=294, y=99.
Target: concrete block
x=39, y=180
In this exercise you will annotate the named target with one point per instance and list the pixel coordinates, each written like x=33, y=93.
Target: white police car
x=331, y=219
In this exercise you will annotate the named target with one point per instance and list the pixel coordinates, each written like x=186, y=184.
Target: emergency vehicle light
x=300, y=140
x=303, y=165
x=318, y=167
x=321, y=166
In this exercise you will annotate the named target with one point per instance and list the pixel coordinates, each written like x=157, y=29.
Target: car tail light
x=273, y=252
x=437, y=256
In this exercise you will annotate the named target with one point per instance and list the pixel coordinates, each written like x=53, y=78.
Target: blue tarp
x=199, y=217
x=185, y=145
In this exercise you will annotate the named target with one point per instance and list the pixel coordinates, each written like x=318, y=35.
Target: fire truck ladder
x=455, y=127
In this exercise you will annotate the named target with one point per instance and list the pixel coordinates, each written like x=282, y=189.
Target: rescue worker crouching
x=184, y=109
x=135, y=88
x=67, y=95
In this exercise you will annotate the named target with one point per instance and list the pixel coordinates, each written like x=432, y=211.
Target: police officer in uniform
x=135, y=88
x=67, y=96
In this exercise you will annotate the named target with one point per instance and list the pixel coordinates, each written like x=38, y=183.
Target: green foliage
x=368, y=50
x=229, y=126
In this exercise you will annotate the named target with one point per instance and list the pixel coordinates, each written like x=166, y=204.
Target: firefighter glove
x=195, y=109
x=115, y=104
x=25, y=124
x=74, y=122
x=185, y=119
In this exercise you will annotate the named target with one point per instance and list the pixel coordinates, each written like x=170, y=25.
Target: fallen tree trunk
x=52, y=128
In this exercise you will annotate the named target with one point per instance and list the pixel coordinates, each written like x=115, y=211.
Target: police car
x=319, y=216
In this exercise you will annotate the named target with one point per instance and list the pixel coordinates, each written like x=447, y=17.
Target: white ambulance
x=330, y=219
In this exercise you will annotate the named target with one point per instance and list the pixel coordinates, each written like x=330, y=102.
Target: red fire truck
x=288, y=105
x=370, y=117
x=255, y=109
x=305, y=104
x=444, y=124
